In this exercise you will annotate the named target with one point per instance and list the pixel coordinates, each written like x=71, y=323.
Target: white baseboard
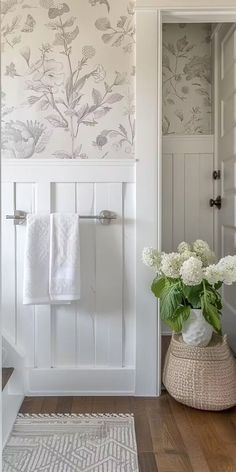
x=80, y=381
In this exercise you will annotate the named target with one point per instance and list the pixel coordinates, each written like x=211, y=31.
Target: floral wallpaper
x=68, y=79
x=187, y=79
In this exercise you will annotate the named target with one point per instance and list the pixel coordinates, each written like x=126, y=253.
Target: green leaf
x=211, y=305
x=218, y=285
x=158, y=286
x=180, y=315
x=193, y=294
x=171, y=299
x=211, y=315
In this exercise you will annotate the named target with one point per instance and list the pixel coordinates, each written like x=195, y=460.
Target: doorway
x=150, y=194
x=187, y=133
x=198, y=141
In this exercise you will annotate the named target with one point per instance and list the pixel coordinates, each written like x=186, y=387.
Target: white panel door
x=187, y=168
x=227, y=161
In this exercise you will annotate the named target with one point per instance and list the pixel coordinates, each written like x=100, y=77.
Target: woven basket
x=201, y=377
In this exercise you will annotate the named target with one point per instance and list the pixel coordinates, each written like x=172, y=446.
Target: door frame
x=150, y=14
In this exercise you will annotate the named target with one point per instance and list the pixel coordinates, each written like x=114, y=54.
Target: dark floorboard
x=170, y=436
x=6, y=374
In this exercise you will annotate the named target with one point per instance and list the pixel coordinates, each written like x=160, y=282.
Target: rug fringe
x=75, y=415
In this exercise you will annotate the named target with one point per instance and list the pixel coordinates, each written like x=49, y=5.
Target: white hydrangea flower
x=213, y=274
x=151, y=258
x=200, y=246
x=227, y=266
x=207, y=258
x=203, y=251
x=186, y=255
x=183, y=247
x=191, y=271
x=171, y=264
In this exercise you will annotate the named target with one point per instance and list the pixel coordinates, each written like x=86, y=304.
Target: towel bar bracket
x=18, y=218
x=105, y=217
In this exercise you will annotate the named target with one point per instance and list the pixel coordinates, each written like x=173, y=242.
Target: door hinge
x=216, y=175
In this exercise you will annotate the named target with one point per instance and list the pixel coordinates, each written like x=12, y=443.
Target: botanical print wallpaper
x=187, y=79
x=68, y=79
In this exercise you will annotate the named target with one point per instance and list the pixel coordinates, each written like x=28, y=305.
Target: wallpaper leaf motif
x=65, y=87
x=100, y=2
x=186, y=79
x=123, y=33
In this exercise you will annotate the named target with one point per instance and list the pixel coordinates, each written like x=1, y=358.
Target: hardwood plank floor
x=170, y=436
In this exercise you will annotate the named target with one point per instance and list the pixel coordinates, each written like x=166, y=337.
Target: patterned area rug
x=71, y=443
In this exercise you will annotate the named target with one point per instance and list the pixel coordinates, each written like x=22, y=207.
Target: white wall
x=98, y=332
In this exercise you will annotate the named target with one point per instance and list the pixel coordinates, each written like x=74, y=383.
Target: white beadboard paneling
x=43, y=328
x=192, y=196
x=167, y=199
x=178, y=203
x=187, y=189
x=86, y=306
x=64, y=333
x=99, y=330
x=63, y=197
x=24, y=198
x=8, y=286
x=64, y=316
x=109, y=262
x=206, y=185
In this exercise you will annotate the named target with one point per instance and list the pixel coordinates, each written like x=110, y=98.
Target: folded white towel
x=64, y=274
x=51, y=264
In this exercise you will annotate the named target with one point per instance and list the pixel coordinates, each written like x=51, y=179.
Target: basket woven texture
x=201, y=377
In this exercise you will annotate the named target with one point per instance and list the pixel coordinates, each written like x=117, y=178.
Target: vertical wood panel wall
x=187, y=166
x=99, y=329
x=188, y=163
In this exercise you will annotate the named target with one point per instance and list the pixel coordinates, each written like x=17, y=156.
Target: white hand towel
x=51, y=264
x=64, y=273
x=36, y=263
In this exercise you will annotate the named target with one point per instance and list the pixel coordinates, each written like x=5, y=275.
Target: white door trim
x=149, y=16
x=148, y=204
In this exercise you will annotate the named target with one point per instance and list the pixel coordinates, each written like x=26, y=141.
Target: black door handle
x=217, y=202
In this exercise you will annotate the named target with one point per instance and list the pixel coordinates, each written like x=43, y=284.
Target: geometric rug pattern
x=71, y=443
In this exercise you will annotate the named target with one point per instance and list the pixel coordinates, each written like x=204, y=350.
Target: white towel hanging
x=64, y=273
x=51, y=264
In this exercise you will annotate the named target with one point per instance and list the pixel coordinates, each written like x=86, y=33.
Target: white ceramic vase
x=196, y=331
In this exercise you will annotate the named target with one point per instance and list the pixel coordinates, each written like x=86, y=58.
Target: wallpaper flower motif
x=186, y=79
x=68, y=92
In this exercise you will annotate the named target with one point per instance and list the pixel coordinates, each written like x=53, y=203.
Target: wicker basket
x=201, y=377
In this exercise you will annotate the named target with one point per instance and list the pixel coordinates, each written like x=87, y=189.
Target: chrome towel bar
x=105, y=217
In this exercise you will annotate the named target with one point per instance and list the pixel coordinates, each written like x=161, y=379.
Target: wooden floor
x=6, y=375
x=170, y=437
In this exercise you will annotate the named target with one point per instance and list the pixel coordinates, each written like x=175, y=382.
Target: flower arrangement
x=190, y=279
